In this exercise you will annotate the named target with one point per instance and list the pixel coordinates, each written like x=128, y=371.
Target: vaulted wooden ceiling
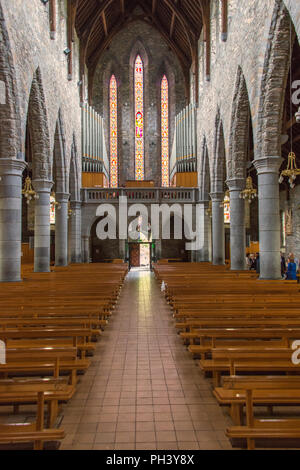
x=179, y=22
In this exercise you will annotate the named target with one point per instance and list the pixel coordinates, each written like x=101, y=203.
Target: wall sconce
x=67, y=51
x=45, y=2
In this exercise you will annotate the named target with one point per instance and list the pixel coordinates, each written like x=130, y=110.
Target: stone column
x=61, y=229
x=86, y=248
x=158, y=249
x=218, y=234
x=237, y=224
x=42, y=226
x=204, y=254
x=10, y=218
x=75, y=232
x=269, y=216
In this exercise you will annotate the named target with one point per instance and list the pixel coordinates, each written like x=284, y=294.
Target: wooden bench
x=267, y=391
x=34, y=432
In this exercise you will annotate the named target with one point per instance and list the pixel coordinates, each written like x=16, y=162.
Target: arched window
x=113, y=122
x=164, y=131
x=139, y=118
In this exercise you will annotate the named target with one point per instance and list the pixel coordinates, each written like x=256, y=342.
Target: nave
x=143, y=390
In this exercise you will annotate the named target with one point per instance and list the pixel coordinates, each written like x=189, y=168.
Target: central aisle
x=143, y=390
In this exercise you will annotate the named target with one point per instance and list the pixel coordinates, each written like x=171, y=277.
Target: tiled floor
x=143, y=390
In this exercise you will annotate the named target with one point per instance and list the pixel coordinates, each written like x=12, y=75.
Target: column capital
x=42, y=186
x=267, y=164
x=217, y=196
x=62, y=197
x=12, y=166
x=236, y=184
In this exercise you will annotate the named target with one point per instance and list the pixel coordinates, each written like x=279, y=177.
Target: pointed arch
x=219, y=162
x=113, y=131
x=139, y=118
x=10, y=123
x=275, y=74
x=39, y=130
x=165, y=144
x=236, y=164
x=59, y=156
x=74, y=175
x=204, y=173
x=138, y=49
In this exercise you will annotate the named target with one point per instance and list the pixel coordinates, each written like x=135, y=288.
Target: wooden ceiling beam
x=182, y=17
x=172, y=25
x=205, y=9
x=224, y=20
x=71, y=11
x=154, y=7
x=122, y=7
x=104, y=23
x=180, y=54
x=52, y=14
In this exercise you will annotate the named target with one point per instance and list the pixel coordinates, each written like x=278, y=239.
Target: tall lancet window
x=113, y=122
x=164, y=131
x=139, y=118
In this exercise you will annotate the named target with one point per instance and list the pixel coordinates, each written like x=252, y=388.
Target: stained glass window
x=165, y=131
x=226, y=209
x=139, y=118
x=113, y=99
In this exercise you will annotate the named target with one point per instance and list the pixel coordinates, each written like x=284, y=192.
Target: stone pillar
x=237, y=224
x=61, y=229
x=10, y=218
x=75, y=232
x=204, y=254
x=86, y=248
x=42, y=226
x=218, y=234
x=269, y=216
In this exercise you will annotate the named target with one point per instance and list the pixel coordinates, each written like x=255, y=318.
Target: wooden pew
x=34, y=432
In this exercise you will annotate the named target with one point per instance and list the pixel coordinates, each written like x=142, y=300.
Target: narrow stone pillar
x=237, y=224
x=61, y=229
x=86, y=248
x=42, y=226
x=158, y=249
x=10, y=219
x=75, y=232
x=269, y=216
x=218, y=233
x=204, y=254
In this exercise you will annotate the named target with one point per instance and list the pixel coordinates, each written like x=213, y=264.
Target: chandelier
x=249, y=193
x=291, y=171
x=28, y=191
x=70, y=211
x=209, y=209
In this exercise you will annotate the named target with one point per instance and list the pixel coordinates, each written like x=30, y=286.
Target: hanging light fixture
x=70, y=211
x=249, y=193
x=28, y=191
x=291, y=171
x=209, y=209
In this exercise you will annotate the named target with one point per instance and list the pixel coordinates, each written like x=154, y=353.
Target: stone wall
x=158, y=59
x=34, y=55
